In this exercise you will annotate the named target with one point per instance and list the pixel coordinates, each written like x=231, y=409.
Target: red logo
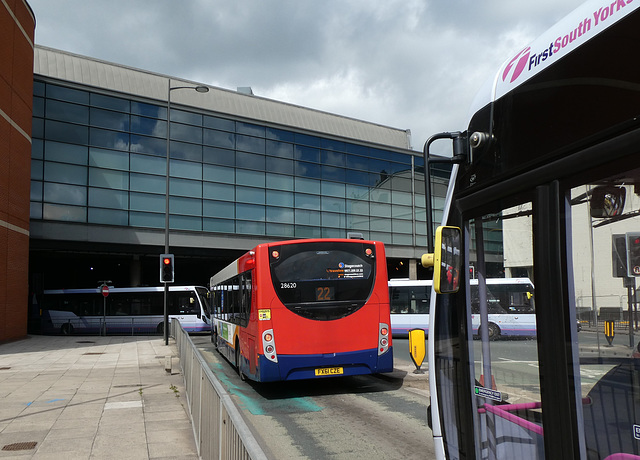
x=516, y=65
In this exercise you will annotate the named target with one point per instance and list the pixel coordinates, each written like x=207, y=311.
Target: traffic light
x=166, y=268
x=633, y=254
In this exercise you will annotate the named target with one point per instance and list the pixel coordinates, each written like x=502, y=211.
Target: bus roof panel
x=577, y=28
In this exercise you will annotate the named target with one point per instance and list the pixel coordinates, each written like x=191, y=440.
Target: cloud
x=410, y=64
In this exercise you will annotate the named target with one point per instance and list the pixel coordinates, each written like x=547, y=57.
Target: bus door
x=603, y=265
x=505, y=380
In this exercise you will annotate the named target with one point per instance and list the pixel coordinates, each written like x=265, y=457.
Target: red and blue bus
x=546, y=184
x=304, y=309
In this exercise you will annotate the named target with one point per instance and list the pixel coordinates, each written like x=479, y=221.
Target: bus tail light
x=269, y=346
x=383, y=339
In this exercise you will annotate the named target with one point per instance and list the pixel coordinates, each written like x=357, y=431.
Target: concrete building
x=243, y=170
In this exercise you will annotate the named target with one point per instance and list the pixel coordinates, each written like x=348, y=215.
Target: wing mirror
x=446, y=260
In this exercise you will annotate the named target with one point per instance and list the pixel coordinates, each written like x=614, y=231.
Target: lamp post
x=200, y=89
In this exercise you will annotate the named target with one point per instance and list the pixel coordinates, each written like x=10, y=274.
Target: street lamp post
x=200, y=89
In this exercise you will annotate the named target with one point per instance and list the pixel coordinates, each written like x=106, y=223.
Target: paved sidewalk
x=92, y=398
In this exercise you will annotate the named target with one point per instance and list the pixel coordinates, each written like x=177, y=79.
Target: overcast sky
x=409, y=64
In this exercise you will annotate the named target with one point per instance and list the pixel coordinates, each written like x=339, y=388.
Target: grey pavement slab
x=92, y=398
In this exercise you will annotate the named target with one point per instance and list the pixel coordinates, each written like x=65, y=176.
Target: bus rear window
x=323, y=281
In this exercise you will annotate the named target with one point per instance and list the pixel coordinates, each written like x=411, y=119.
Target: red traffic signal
x=166, y=268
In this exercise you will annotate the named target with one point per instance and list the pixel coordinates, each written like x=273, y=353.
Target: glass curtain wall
x=101, y=159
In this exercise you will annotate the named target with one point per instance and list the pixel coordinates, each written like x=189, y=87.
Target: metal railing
x=218, y=427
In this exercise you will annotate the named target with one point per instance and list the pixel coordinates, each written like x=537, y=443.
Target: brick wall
x=17, y=27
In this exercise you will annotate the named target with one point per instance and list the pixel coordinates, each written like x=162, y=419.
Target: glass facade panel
x=108, y=217
x=109, y=102
x=304, y=201
x=221, y=139
x=146, y=219
x=219, y=123
x=109, y=159
x=147, y=164
x=108, y=179
x=307, y=217
x=282, y=215
x=149, y=145
x=65, y=194
x=37, y=170
x=280, y=230
x=186, y=133
x=250, y=228
x=149, y=110
x=184, y=151
x=279, y=182
x=280, y=198
x=279, y=149
x=250, y=212
x=333, y=204
x=218, y=156
x=219, y=174
x=108, y=119
x=219, y=225
x=219, y=209
x=64, y=213
x=36, y=191
x=279, y=165
x=105, y=198
x=250, y=195
x=67, y=174
x=63, y=111
x=109, y=139
x=66, y=153
x=185, y=206
x=184, y=187
x=186, y=223
x=186, y=169
x=148, y=126
x=333, y=189
x=146, y=183
x=307, y=185
x=252, y=178
x=35, y=211
x=219, y=191
x=249, y=144
x=103, y=158
x=65, y=132
x=182, y=116
x=147, y=202
x=250, y=161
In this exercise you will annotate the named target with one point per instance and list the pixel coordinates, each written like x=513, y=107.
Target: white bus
x=137, y=310
x=510, y=303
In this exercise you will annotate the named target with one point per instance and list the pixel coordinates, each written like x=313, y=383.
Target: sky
x=408, y=64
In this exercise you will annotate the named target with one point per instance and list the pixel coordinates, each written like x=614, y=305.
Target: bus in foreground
x=134, y=310
x=304, y=309
x=510, y=301
x=546, y=181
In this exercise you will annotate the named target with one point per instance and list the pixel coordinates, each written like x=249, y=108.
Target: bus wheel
x=238, y=357
x=66, y=329
x=494, y=331
x=160, y=328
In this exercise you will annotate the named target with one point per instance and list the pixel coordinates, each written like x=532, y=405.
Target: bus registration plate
x=329, y=371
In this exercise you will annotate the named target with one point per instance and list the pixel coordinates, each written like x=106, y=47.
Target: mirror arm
x=460, y=155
